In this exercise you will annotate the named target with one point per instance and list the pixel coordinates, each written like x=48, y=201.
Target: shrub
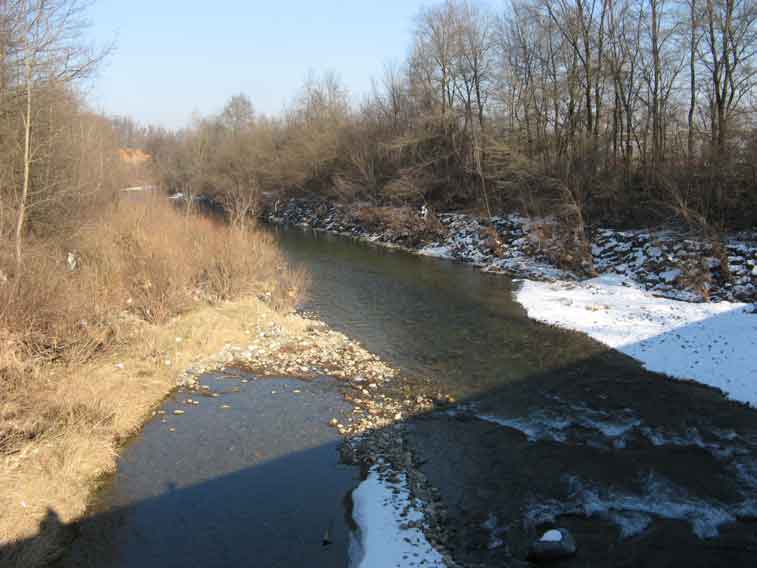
x=143, y=259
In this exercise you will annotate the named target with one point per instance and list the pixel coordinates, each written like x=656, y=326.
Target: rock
x=71, y=262
x=553, y=545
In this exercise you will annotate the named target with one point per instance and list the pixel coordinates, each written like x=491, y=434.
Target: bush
x=143, y=259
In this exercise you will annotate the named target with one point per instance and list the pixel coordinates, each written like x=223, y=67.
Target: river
x=550, y=429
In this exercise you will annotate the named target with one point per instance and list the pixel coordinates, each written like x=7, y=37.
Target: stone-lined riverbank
x=665, y=262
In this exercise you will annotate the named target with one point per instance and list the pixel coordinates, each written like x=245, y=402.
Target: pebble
x=553, y=545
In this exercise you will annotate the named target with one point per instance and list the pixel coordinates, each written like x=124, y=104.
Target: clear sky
x=173, y=57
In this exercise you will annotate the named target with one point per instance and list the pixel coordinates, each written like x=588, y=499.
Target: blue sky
x=174, y=57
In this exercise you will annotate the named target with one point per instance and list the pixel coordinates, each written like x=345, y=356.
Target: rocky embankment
x=666, y=262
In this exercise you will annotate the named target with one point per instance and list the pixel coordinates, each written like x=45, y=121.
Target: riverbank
x=712, y=343
x=101, y=404
x=94, y=324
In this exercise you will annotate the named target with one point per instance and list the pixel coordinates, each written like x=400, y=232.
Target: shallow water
x=430, y=317
x=255, y=484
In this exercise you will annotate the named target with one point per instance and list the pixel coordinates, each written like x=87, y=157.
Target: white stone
x=551, y=536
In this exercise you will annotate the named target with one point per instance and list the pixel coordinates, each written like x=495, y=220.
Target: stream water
x=551, y=429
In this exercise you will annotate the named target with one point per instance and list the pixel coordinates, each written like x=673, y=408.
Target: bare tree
x=50, y=56
x=728, y=50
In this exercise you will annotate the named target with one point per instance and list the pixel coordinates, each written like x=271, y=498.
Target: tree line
x=623, y=111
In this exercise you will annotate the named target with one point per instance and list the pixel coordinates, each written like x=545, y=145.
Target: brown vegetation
x=63, y=426
x=627, y=113
x=405, y=223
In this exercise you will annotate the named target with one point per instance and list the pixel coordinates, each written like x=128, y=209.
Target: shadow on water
x=231, y=520
x=552, y=428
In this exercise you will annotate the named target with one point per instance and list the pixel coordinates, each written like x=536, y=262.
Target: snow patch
x=551, y=536
x=385, y=537
x=440, y=251
x=554, y=424
x=711, y=343
x=537, y=428
x=692, y=437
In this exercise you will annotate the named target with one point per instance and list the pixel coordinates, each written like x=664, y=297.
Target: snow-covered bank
x=711, y=343
x=389, y=526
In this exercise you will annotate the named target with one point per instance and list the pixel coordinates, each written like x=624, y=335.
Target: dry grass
x=145, y=276
x=140, y=258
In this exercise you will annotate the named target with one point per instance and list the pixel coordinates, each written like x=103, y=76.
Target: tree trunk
x=21, y=214
x=692, y=80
